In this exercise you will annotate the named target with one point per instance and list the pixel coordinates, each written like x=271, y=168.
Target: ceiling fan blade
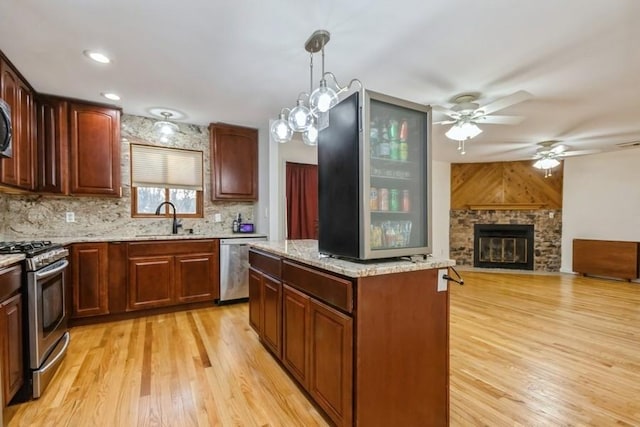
x=500, y=120
x=559, y=149
x=447, y=111
x=580, y=153
x=499, y=104
x=445, y=122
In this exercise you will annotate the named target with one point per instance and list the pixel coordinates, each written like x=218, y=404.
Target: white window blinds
x=165, y=167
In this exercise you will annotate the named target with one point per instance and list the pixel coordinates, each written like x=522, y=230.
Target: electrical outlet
x=70, y=217
x=442, y=282
x=217, y=218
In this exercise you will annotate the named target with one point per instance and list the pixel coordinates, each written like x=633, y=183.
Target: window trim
x=168, y=212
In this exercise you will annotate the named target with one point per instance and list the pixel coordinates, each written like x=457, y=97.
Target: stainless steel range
x=46, y=316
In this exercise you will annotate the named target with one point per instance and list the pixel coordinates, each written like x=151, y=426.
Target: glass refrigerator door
x=399, y=191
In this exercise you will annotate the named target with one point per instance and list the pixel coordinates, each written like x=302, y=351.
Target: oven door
x=47, y=314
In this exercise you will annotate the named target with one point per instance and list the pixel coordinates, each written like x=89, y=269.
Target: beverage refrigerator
x=374, y=178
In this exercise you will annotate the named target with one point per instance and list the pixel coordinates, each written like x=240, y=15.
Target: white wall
x=601, y=199
x=279, y=154
x=440, y=202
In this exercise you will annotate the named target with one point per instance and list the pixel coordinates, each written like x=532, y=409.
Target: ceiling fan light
x=463, y=131
x=546, y=163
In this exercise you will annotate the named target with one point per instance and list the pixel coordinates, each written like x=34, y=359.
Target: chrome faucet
x=175, y=225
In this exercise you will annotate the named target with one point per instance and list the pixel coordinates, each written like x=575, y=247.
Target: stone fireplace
x=544, y=254
x=503, y=246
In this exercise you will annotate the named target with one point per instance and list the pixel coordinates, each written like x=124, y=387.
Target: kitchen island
x=368, y=341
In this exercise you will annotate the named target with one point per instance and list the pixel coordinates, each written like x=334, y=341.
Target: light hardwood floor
x=531, y=350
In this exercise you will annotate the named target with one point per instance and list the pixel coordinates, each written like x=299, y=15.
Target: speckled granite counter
x=7, y=260
x=306, y=251
x=150, y=237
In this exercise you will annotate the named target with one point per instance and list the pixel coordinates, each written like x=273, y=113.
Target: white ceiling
x=241, y=61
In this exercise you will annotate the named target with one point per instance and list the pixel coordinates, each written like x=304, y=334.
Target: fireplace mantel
x=506, y=206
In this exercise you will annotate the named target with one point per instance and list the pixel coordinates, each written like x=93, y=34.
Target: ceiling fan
x=465, y=113
x=549, y=153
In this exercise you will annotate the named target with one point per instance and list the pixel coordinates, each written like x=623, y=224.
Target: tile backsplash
x=39, y=216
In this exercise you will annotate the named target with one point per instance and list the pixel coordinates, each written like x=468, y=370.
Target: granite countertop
x=148, y=237
x=7, y=260
x=306, y=251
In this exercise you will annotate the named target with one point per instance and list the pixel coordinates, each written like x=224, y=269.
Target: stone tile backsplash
x=39, y=216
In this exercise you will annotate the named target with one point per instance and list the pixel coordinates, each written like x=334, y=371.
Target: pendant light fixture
x=164, y=128
x=305, y=117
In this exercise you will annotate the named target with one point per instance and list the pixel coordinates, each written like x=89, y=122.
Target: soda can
x=394, y=202
x=406, y=201
x=383, y=199
x=373, y=199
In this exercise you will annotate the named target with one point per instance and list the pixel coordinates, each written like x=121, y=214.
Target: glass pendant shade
x=280, y=130
x=300, y=117
x=461, y=132
x=310, y=136
x=323, y=98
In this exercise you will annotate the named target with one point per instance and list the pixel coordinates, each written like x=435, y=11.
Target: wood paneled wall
x=503, y=185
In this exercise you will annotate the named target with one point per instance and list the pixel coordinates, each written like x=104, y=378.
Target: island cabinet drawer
x=266, y=263
x=172, y=247
x=327, y=288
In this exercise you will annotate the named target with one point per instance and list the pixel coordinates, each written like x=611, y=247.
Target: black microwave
x=5, y=129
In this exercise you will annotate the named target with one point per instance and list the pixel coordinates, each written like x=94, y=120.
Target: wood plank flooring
x=530, y=350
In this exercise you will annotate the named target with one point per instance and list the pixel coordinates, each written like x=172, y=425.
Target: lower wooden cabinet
x=161, y=274
x=11, y=328
x=151, y=282
x=272, y=314
x=255, y=300
x=295, y=333
x=89, y=279
x=331, y=361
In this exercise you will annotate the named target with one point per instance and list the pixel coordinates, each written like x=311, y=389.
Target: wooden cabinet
x=234, y=162
x=11, y=331
x=162, y=274
x=195, y=275
x=295, y=334
x=371, y=350
x=271, y=314
x=18, y=170
x=255, y=300
x=331, y=361
x=94, y=150
x=265, y=299
x=89, y=279
x=607, y=258
x=52, y=171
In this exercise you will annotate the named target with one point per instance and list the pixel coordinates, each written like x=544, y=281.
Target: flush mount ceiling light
x=164, y=128
x=306, y=116
x=97, y=56
x=110, y=95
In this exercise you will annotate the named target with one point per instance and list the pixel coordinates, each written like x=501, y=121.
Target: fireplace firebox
x=503, y=246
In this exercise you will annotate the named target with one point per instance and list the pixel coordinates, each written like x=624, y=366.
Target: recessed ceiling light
x=111, y=96
x=97, y=56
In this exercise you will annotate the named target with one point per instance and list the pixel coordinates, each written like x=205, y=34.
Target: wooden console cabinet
x=370, y=350
x=607, y=258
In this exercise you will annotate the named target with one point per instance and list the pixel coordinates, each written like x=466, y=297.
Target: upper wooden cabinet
x=234, y=162
x=52, y=117
x=18, y=170
x=94, y=150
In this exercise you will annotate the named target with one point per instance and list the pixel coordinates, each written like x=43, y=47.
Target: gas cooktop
x=30, y=249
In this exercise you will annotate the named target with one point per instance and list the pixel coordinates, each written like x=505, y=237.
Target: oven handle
x=46, y=272
x=60, y=355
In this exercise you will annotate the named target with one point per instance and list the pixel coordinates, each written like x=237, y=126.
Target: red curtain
x=302, y=201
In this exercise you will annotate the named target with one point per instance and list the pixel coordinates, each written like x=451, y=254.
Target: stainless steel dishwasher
x=234, y=268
